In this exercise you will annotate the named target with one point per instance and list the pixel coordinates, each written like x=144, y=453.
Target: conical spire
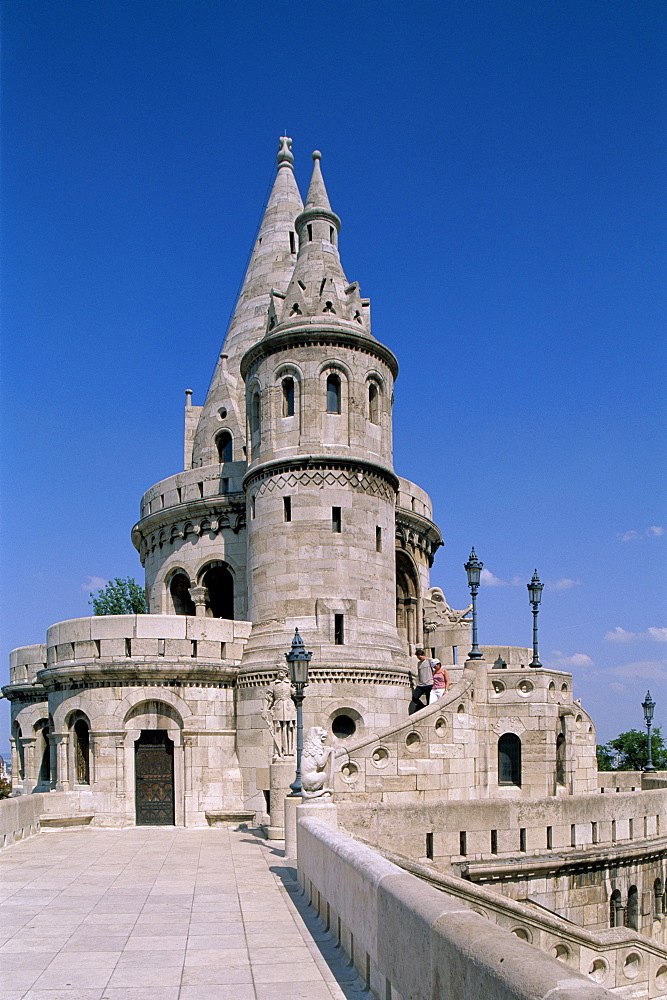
x=271, y=266
x=317, y=193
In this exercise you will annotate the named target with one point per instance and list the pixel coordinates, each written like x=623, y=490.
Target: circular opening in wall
x=598, y=970
x=525, y=687
x=552, y=690
x=413, y=741
x=222, y=412
x=661, y=977
x=561, y=951
x=522, y=933
x=440, y=727
x=498, y=688
x=343, y=726
x=482, y=913
x=380, y=756
x=349, y=771
x=631, y=965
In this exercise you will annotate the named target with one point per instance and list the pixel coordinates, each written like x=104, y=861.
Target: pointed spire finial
x=285, y=154
x=317, y=193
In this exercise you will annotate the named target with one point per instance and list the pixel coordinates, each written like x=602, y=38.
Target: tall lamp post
x=535, y=588
x=649, y=707
x=474, y=569
x=297, y=661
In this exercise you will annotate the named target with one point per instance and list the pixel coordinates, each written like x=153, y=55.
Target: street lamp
x=474, y=569
x=649, y=707
x=297, y=661
x=535, y=588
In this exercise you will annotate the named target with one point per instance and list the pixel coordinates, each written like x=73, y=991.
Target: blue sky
x=499, y=169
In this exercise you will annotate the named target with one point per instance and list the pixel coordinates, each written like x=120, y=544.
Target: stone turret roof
x=271, y=266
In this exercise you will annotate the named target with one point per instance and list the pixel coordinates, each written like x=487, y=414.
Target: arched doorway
x=407, y=589
x=154, y=778
x=219, y=583
x=81, y=752
x=179, y=588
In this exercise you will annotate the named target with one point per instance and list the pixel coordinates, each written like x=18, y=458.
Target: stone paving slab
x=165, y=912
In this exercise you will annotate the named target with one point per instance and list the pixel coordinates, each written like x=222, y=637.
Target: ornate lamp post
x=297, y=661
x=649, y=707
x=474, y=569
x=535, y=588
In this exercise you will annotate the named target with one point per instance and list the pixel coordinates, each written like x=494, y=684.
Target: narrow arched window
x=179, y=588
x=658, y=899
x=82, y=752
x=255, y=416
x=20, y=750
x=225, y=446
x=373, y=403
x=333, y=394
x=560, y=760
x=509, y=759
x=288, y=397
x=632, y=909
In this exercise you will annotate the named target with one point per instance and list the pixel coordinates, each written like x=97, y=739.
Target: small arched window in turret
x=509, y=759
x=255, y=416
x=288, y=397
x=328, y=308
x=333, y=394
x=295, y=310
x=225, y=446
x=373, y=403
x=561, y=771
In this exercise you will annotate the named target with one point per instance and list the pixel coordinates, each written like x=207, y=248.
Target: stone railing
x=410, y=940
x=25, y=815
x=195, y=484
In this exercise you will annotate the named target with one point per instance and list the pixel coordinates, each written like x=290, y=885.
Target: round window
x=343, y=726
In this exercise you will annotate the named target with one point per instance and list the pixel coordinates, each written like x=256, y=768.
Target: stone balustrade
x=409, y=939
x=194, y=484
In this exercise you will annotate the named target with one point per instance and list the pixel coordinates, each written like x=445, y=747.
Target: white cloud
x=654, y=531
x=653, y=633
x=93, y=583
x=648, y=670
x=560, y=659
x=565, y=583
x=488, y=579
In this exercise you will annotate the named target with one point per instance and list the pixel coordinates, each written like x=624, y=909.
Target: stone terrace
x=139, y=913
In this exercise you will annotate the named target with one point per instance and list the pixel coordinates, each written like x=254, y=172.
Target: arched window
x=225, y=446
x=373, y=403
x=616, y=913
x=333, y=394
x=255, y=419
x=179, y=588
x=219, y=583
x=43, y=748
x=561, y=770
x=20, y=750
x=407, y=589
x=632, y=909
x=82, y=752
x=288, y=397
x=509, y=759
x=658, y=899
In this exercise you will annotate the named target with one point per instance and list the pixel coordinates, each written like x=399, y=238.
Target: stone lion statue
x=316, y=765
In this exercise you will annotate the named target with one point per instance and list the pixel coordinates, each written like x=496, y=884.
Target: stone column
x=60, y=743
x=29, y=769
x=53, y=759
x=281, y=773
x=199, y=597
x=119, y=741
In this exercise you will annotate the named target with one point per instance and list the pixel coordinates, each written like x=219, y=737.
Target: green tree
x=631, y=751
x=120, y=597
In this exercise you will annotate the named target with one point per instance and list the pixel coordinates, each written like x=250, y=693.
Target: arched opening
x=82, y=752
x=373, y=403
x=333, y=394
x=43, y=752
x=632, y=909
x=288, y=396
x=509, y=759
x=616, y=911
x=658, y=899
x=406, y=599
x=561, y=771
x=255, y=419
x=219, y=583
x=225, y=446
x=179, y=588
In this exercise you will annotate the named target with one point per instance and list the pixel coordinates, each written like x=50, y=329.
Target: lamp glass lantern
x=649, y=707
x=474, y=569
x=535, y=588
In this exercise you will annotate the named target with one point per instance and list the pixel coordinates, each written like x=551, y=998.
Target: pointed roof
x=317, y=196
x=271, y=266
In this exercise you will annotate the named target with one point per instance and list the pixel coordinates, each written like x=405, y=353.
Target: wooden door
x=154, y=778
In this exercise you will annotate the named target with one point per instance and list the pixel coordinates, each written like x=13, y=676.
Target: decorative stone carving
x=280, y=715
x=316, y=766
x=437, y=612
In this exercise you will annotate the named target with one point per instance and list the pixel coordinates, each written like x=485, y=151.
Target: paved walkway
x=160, y=913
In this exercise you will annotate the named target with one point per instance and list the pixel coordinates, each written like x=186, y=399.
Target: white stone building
x=289, y=514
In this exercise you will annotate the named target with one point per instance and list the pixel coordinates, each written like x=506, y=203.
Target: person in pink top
x=440, y=681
